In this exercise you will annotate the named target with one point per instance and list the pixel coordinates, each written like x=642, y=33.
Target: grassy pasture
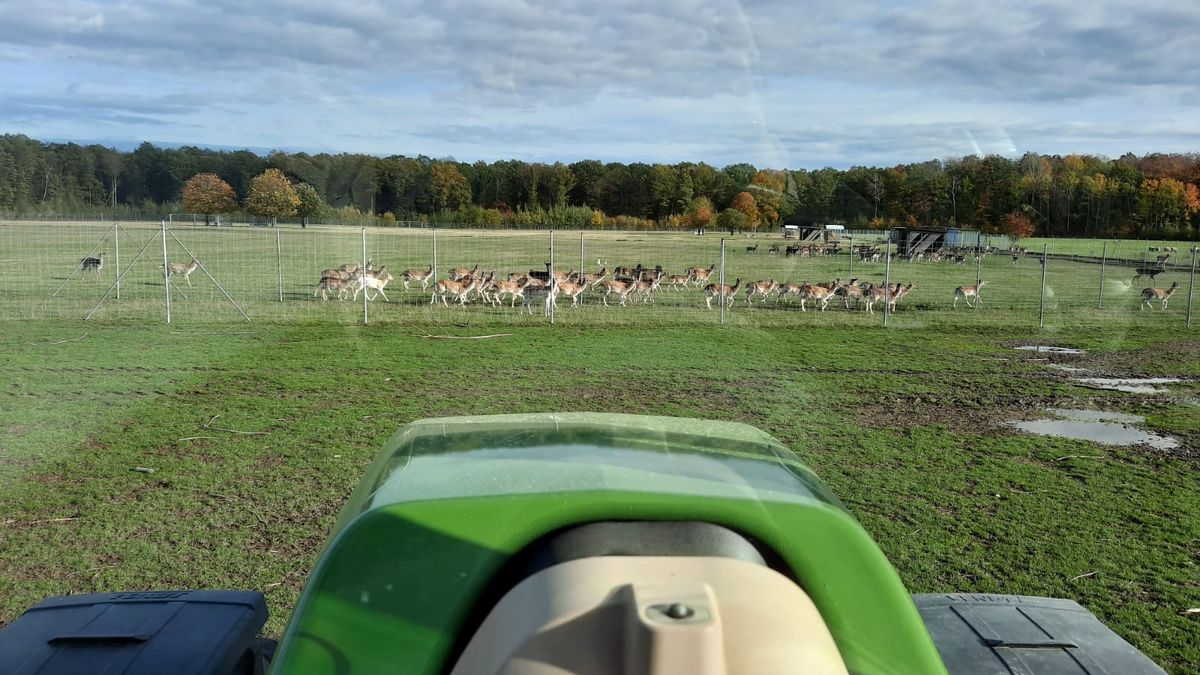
x=245, y=262
x=906, y=425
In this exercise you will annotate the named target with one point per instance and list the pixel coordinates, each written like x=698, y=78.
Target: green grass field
x=245, y=262
x=905, y=424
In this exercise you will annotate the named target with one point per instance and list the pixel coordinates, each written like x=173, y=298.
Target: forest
x=1150, y=196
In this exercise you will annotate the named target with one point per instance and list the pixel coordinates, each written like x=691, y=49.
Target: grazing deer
x=1151, y=272
x=967, y=293
x=621, y=288
x=764, y=288
x=701, y=275
x=459, y=289
x=725, y=293
x=183, y=269
x=94, y=264
x=752, y=249
x=460, y=273
x=1160, y=294
x=423, y=276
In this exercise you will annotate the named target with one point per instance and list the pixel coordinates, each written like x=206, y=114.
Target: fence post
x=1042, y=300
x=279, y=262
x=553, y=285
x=721, y=283
x=887, y=282
x=1103, y=258
x=117, y=255
x=166, y=272
x=1191, y=284
x=978, y=258
x=434, y=266
x=850, y=274
x=363, y=271
x=582, y=269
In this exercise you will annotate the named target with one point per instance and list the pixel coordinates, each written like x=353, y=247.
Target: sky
x=785, y=84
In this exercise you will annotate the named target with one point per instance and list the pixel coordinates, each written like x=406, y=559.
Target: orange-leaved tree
x=206, y=193
x=272, y=196
x=1017, y=225
x=744, y=202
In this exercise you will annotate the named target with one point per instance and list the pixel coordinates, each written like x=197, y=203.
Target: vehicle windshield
x=944, y=253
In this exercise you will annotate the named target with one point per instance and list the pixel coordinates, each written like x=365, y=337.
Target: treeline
x=1153, y=196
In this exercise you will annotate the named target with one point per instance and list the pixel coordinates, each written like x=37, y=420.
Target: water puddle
x=1066, y=369
x=1046, y=349
x=1129, y=385
x=1093, y=425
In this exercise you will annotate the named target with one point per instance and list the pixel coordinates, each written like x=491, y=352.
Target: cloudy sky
x=786, y=84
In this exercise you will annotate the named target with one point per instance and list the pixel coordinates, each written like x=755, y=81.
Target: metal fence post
x=1042, y=300
x=978, y=259
x=887, y=283
x=1191, y=285
x=434, y=265
x=117, y=255
x=279, y=262
x=582, y=268
x=721, y=283
x=553, y=284
x=850, y=274
x=166, y=272
x=363, y=271
x=1103, y=258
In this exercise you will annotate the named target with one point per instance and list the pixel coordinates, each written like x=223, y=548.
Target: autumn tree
x=745, y=202
x=206, y=193
x=311, y=204
x=1164, y=203
x=699, y=213
x=450, y=188
x=272, y=196
x=1017, y=225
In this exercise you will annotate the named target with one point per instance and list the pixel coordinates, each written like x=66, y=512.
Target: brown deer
x=726, y=293
x=967, y=293
x=1160, y=294
x=700, y=275
x=621, y=288
x=423, y=276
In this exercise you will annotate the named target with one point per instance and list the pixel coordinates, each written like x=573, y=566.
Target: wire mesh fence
x=141, y=271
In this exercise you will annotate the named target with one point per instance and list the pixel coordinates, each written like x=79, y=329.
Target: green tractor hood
x=448, y=502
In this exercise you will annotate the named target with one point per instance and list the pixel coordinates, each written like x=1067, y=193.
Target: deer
x=1160, y=294
x=348, y=268
x=375, y=280
x=342, y=286
x=423, y=276
x=678, y=282
x=773, y=251
x=332, y=273
x=94, y=264
x=459, y=289
x=459, y=273
x=818, y=293
x=699, y=274
x=514, y=288
x=572, y=290
x=789, y=289
x=621, y=288
x=724, y=292
x=588, y=279
x=967, y=293
x=647, y=288
x=849, y=291
x=752, y=249
x=1139, y=272
x=550, y=293
x=791, y=250
x=764, y=288
x=897, y=295
x=183, y=269
x=563, y=276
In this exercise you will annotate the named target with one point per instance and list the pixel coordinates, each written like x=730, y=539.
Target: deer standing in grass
x=183, y=269
x=967, y=293
x=725, y=293
x=94, y=264
x=1160, y=294
x=621, y=288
